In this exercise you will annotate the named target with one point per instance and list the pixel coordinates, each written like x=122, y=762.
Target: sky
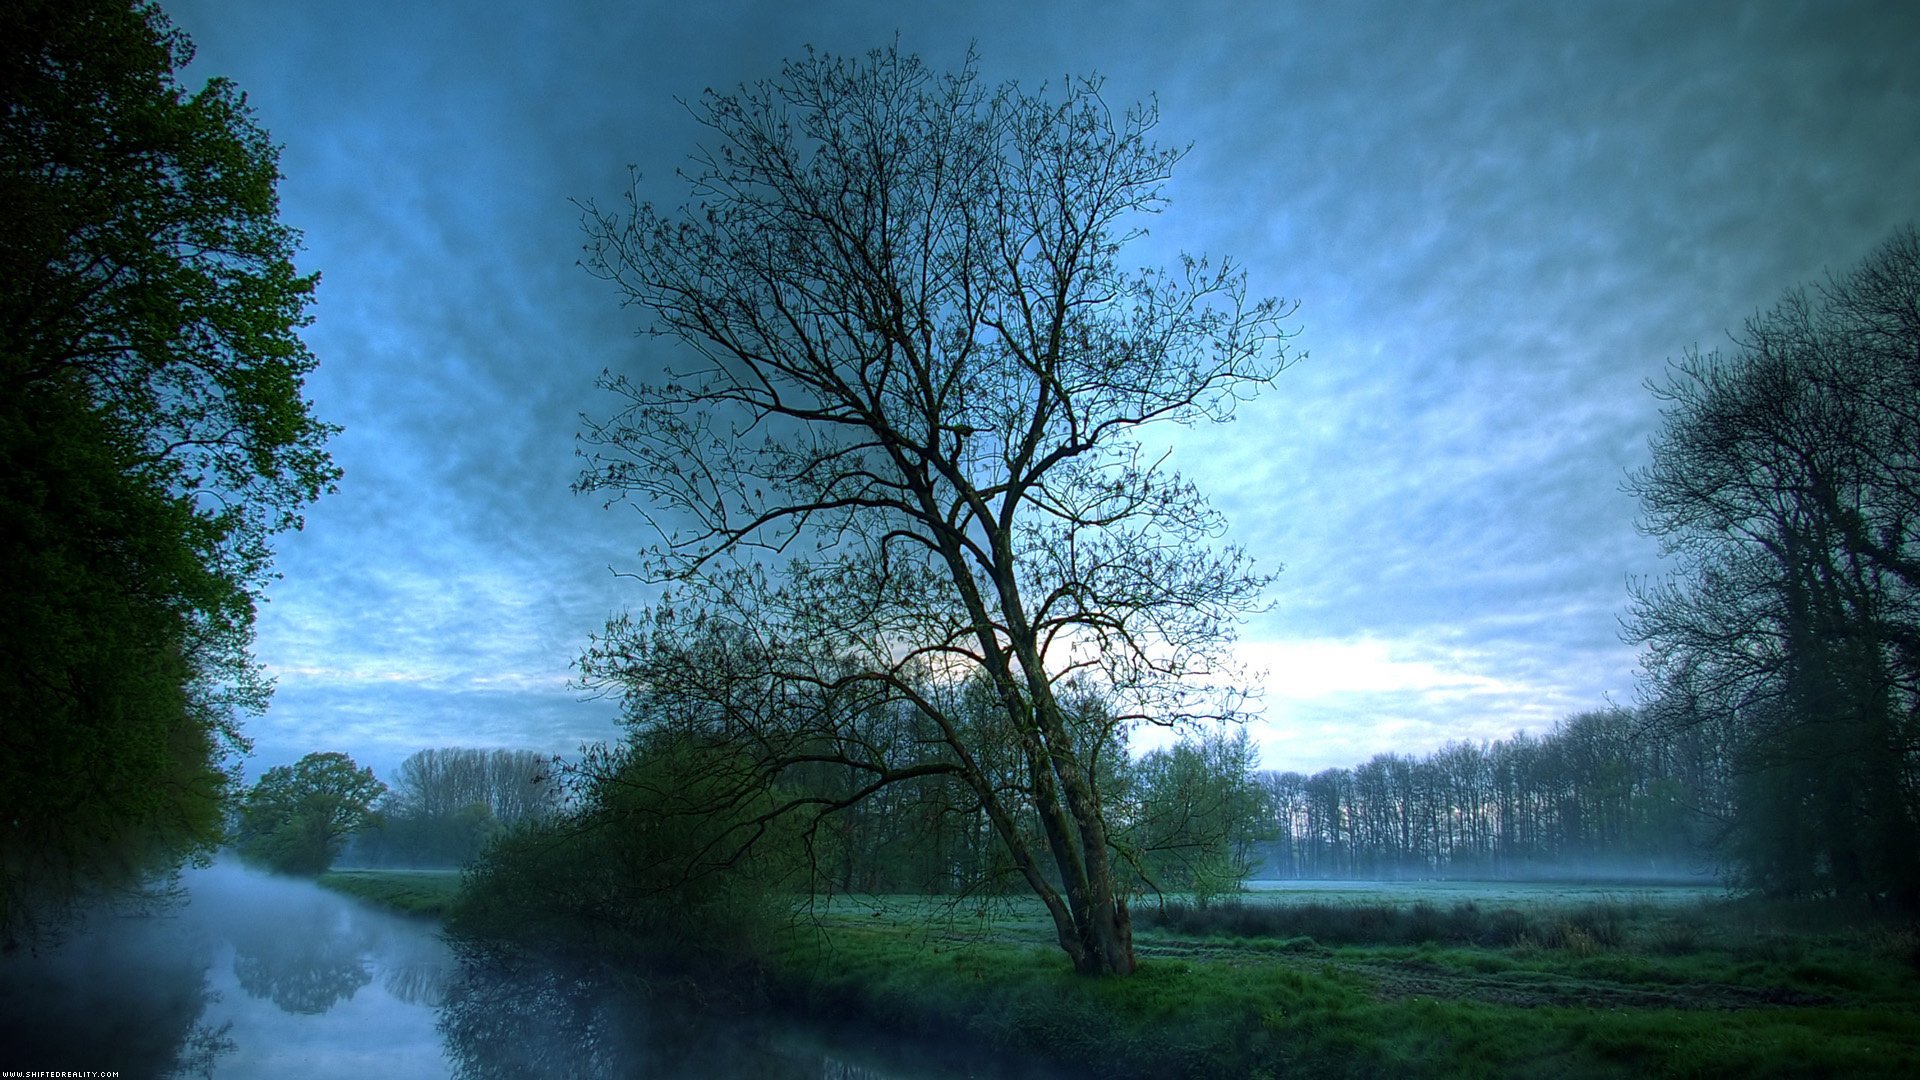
x=1499, y=220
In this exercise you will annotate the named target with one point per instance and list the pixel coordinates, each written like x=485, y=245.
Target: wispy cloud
x=1500, y=221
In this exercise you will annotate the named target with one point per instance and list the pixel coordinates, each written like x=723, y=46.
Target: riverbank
x=425, y=893
x=1591, y=989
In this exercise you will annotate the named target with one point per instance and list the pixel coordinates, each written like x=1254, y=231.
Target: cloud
x=1328, y=702
x=1309, y=670
x=1499, y=222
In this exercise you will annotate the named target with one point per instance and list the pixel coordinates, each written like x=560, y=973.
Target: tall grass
x=1253, y=1013
x=1600, y=924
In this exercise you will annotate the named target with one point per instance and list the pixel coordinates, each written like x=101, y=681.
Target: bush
x=655, y=866
x=1583, y=930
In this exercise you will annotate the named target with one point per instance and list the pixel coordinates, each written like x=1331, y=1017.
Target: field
x=413, y=892
x=1440, y=979
x=1513, y=893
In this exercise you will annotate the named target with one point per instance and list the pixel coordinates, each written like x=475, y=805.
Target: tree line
x=443, y=807
x=1601, y=794
x=445, y=804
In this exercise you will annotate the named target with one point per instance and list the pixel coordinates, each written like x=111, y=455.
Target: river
x=248, y=975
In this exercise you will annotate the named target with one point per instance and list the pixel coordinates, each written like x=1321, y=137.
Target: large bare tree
x=898, y=461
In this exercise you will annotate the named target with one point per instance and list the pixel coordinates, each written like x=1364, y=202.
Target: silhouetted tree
x=1786, y=485
x=152, y=439
x=910, y=352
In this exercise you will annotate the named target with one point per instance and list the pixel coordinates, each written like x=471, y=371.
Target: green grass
x=1589, y=989
x=427, y=893
x=1574, y=985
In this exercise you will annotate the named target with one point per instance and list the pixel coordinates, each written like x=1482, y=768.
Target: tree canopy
x=896, y=469
x=1785, y=484
x=447, y=803
x=298, y=817
x=153, y=438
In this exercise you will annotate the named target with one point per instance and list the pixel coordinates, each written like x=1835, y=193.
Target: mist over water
x=251, y=975
x=247, y=975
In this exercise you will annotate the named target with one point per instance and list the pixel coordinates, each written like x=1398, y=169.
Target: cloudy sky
x=1499, y=220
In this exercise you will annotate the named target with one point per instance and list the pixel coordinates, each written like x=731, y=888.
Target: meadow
x=427, y=893
x=1447, y=979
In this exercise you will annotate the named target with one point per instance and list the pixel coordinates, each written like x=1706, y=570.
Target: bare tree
x=901, y=459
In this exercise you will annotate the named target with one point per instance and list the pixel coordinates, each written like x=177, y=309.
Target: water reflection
x=505, y=1022
x=261, y=976
x=248, y=975
x=306, y=968
x=544, y=1020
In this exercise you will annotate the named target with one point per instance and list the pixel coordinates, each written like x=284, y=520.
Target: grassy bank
x=1595, y=990
x=428, y=893
x=1573, y=988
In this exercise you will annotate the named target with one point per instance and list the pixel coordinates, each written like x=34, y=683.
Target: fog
x=245, y=974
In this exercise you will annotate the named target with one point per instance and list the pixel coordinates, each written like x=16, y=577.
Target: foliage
x=1785, y=485
x=908, y=349
x=297, y=818
x=1193, y=814
x=1601, y=794
x=446, y=804
x=644, y=866
x=152, y=439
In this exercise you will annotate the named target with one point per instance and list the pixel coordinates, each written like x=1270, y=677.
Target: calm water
x=255, y=976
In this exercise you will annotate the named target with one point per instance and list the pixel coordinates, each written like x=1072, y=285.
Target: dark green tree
x=647, y=862
x=1785, y=483
x=299, y=816
x=1195, y=812
x=153, y=438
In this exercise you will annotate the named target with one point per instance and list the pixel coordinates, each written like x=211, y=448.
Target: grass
x=1589, y=988
x=427, y=893
x=1575, y=986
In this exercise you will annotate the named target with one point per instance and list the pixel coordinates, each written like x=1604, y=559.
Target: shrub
x=654, y=865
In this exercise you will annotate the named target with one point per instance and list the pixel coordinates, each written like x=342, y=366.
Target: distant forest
x=1598, y=796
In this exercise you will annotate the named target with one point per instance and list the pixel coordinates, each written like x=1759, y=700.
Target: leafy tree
x=1785, y=483
x=911, y=352
x=298, y=817
x=1196, y=811
x=152, y=439
x=642, y=864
